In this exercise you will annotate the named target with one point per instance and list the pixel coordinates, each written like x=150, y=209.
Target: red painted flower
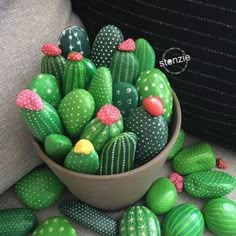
x=153, y=105
x=75, y=56
x=50, y=49
x=127, y=46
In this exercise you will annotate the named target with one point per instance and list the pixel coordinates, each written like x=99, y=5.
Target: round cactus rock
x=154, y=83
x=107, y=124
x=118, y=154
x=83, y=158
x=105, y=44
x=40, y=116
x=46, y=86
x=76, y=110
x=138, y=221
x=74, y=38
x=184, y=220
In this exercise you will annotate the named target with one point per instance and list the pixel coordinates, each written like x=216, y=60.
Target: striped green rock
x=184, y=220
x=152, y=133
x=17, y=221
x=101, y=87
x=89, y=217
x=220, y=216
x=118, y=154
x=145, y=54
x=195, y=158
x=105, y=44
x=209, y=184
x=139, y=221
x=76, y=110
x=178, y=145
x=154, y=83
x=90, y=69
x=55, y=226
x=124, y=67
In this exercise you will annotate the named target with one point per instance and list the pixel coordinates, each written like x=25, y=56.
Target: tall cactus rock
x=105, y=44
x=74, y=38
x=83, y=158
x=53, y=63
x=148, y=123
x=125, y=65
x=46, y=86
x=145, y=54
x=101, y=87
x=90, y=69
x=107, y=124
x=41, y=117
x=74, y=74
x=118, y=154
x=155, y=83
x=76, y=110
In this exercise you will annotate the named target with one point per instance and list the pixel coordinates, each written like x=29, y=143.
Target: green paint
x=90, y=69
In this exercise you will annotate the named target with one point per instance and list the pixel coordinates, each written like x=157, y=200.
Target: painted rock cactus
x=220, y=216
x=118, y=154
x=83, y=158
x=125, y=97
x=74, y=74
x=178, y=145
x=209, y=184
x=90, y=69
x=152, y=132
x=105, y=44
x=125, y=65
x=155, y=83
x=184, y=220
x=195, y=158
x=89, y=217
x=161, y=196
x=101, y=88
x=107, y=124
x=46, y=86
x=41, y=117
x=55, y=226
x=57, y=146
x=76, y=110
x=17, y=221
x=74, y=38
x=53, y=63
x=145, y=54
x=138, y=221
x=39, y=189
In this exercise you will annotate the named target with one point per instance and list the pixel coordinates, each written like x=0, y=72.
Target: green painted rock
x=90, y=69
x=55, y=226
x=41, y=117
x=145, y=54
x=76, y=110
x=83, y=158
x=162, y=196
x=101, y=87
x=89, y=217
x=105, y=44
x=155, y=83
x=39, y=189
x=125, y=97
x=220, y=216
x=138, y=221
x=74, y=38
x=209, y=184
x=178, y=145
x=118, y=154
x=46, y=86
x=195, y=158
x=57, y=146
x=75, y=73
x=53, y=63
x=152, y=132
x=184, y=220
x=106, y=125
x=124, y=64
x=17, y=221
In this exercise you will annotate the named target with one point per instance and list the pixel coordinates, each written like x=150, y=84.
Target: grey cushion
x=25, y=25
